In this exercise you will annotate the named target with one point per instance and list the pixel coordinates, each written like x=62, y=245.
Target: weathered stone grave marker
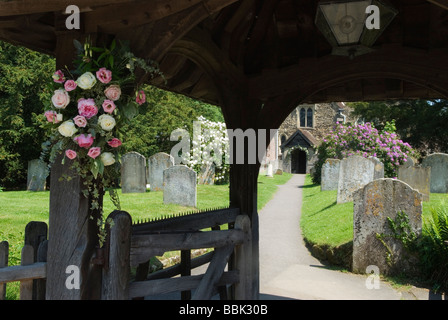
x=418, y=178
x=439, y=171
x=157, y=163
x=354, y=173
x=207, y=174
x=37, y=175
x=330, y=174
x=373, y=244
x=180, y=186
x=133, y=173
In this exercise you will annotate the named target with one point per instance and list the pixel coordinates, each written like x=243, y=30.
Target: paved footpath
x=288, y=271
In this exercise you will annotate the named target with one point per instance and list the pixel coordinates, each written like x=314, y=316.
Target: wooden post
x=35, y=234
x=243, y=260
x=4, y=254
x=40, y=285
x=26, y=286
x=72, y=238
x=115, y=285
x=185, y=265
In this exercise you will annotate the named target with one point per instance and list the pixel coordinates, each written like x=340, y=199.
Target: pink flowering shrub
x=366, y=141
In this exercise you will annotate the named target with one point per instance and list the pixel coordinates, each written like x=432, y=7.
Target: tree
x=421, y=123
x=23, y=77
x=165, y=112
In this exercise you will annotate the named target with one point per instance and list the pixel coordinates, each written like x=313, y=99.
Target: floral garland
x=85, y=118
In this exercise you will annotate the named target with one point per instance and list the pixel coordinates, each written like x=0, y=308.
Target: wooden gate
x=133, y=245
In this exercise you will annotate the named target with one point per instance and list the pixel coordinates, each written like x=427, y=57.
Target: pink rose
x=70, y=85
x=58, y=77
x=104, y=75
x=87, y=108
x=84, y=141
x=141, y=97
x=70, y=154
x=113, y=92
x=94, y=152
x=80, y=121
x=51, y=116
x=60, y=99
x=114, y=143
x=109, y=106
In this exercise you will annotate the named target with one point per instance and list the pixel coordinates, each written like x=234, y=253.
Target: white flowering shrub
x=210, y=146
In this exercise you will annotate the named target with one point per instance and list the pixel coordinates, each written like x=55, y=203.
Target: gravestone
x=330, y=175
x=157, y=163
x=354, y=173
x=270, y=171
x=439, y=171
x=37, y=175
x=180, y=186
x=410, y=162
x=373, y=243
x=133, y=173
x=417, y=177
x=207, y=174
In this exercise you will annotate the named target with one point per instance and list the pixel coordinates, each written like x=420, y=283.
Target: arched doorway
x=298, y=161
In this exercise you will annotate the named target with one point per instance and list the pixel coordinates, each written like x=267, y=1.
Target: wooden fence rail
x=33, y=267
x=130, y=246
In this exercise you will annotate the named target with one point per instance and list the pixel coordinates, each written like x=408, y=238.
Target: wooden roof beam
x=22, y=7
x=441, y=3
x=114, y=18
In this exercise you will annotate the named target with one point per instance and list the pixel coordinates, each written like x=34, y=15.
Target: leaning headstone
x=417, y=177
x=330, y=175
x=374, y=244
x=439, y=171
x=180, y=186
x=133, y=173
x=157, y=163
x=354, y=173
x=37, y=175
x=207, y=174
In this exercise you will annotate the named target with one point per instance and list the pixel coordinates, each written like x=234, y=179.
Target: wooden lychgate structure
x=256, y=59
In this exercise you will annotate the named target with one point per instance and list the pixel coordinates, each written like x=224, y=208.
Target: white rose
x=107, y=158
x=86, y=81
x=67, y=128
x=106, y=122
x=60, y=98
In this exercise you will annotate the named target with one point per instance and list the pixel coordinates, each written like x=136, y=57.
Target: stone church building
x=292, y=149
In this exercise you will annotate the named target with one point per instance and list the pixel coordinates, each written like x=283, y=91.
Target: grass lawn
x=21, y=207
x=324, y=222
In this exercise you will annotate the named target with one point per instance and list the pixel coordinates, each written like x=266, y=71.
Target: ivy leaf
x=95, y=169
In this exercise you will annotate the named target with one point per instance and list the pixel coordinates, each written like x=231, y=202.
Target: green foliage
x=421, y=123
x=23, y=74
x=401, y=231
x=433, y=246
x=364, y=140
x=165, y=112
